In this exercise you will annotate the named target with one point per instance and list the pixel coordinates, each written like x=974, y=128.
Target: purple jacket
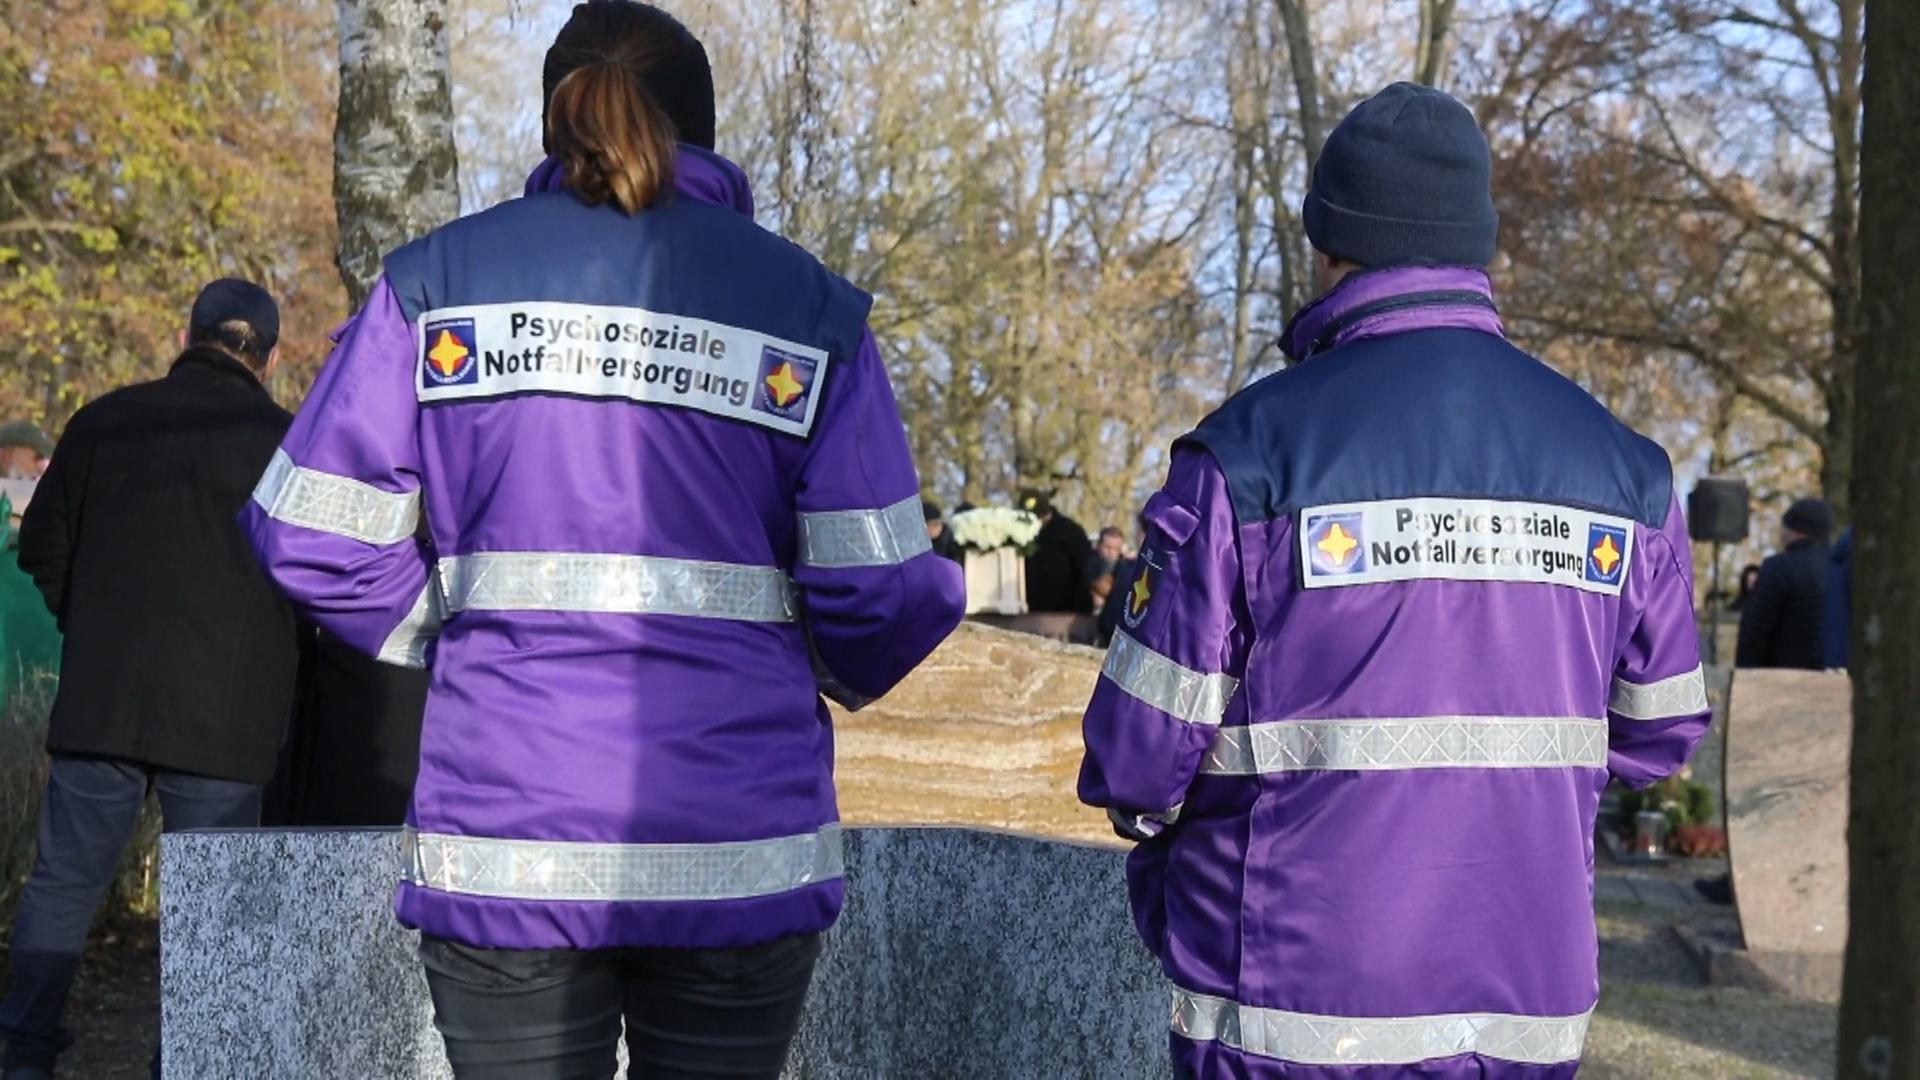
x=626, y=485
x=1405, y=607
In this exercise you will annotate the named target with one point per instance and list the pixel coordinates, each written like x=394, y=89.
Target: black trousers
x=556, y=1015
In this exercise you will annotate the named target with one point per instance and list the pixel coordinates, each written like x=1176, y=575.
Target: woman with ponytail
x=668, y=504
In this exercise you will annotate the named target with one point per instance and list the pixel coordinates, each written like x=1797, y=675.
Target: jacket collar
x=206, y=358
x=1393, y=300
x=698, y=174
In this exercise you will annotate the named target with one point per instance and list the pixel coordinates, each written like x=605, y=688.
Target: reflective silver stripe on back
x=567, y=871
x=843, y=538
x=1681, y=695
x=1308, y=1039
x=407, y=645
x=1433, y=742
x=337, y=504
x=1160, y=682
x=621, y=584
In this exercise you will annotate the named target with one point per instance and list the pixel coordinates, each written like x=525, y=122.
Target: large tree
x=1682, y=179
x=1880, y=1009
x=396, y=174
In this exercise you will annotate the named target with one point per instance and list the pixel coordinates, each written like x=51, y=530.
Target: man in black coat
x=1057, y=569
x=1780, y=622
x=178, y=668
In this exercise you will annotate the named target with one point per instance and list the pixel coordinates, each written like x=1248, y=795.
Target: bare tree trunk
x=1248, y=113
x=1430, y=52
x=395, y=173
x=1306, y=75
x=1880, y=1008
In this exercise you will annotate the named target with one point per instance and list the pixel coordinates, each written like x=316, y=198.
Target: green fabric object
x=29, y=638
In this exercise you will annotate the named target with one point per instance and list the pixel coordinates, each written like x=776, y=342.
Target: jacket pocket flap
x=1174, y=520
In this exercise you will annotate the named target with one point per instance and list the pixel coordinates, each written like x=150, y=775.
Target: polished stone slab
x=1789, y=736
x=961, y=953
x=985, y=732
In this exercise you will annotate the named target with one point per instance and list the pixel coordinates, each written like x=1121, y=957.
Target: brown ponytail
x=613, y=139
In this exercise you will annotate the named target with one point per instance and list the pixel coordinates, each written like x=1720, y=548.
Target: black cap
x=931, y=509
x=1809, y=517
x=1405, y=178
x=234, y=300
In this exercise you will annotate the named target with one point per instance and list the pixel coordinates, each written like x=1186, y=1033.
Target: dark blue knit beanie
x=1405, y=178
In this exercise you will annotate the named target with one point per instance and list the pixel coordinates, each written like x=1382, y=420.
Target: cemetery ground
x=115, y=1010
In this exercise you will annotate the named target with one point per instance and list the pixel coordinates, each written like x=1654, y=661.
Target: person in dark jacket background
x=177, y=672
x=1057, y=569
x=1780, y=623
x=939, y=533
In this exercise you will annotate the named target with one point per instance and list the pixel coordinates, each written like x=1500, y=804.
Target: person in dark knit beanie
x=1405, y=179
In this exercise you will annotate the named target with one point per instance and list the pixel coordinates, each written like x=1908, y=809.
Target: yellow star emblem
x=1142, y=592
x=784, y=386
x=1337, y=545
x=447, y=353
x=1606, y=555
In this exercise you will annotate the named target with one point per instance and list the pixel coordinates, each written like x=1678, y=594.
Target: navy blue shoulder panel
x=1443, y=412
x=683, y=257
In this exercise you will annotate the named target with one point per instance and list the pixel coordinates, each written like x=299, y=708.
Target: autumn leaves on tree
x=147, y=146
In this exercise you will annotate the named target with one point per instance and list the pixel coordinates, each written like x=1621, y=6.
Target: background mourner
x=1057, y=569
x=1780, y=619
x=177, y=674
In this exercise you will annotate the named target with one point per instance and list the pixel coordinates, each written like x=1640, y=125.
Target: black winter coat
x=1780, y=623
x=1057, y=569
x=179, y=653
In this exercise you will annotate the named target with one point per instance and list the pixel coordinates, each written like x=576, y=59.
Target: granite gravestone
x=961, y=953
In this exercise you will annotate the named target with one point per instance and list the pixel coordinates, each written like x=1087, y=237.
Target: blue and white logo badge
x=452, y=356
x=1338, y=544
x=1606, y=554
x=786, y=383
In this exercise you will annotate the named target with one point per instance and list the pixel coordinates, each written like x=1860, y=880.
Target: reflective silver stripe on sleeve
x=1175, y=690
x=841, y=538
x=1433, y=742
x=1308, y=1039
x=1681, y=695
x=407, y=645
x=337, y=504
x=620, y=584
x=563, y=870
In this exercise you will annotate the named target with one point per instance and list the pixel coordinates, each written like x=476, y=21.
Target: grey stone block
x=980, y=954
x=961, y=953
x=280, y=956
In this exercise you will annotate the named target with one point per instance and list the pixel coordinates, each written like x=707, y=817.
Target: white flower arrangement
x=991, y=528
